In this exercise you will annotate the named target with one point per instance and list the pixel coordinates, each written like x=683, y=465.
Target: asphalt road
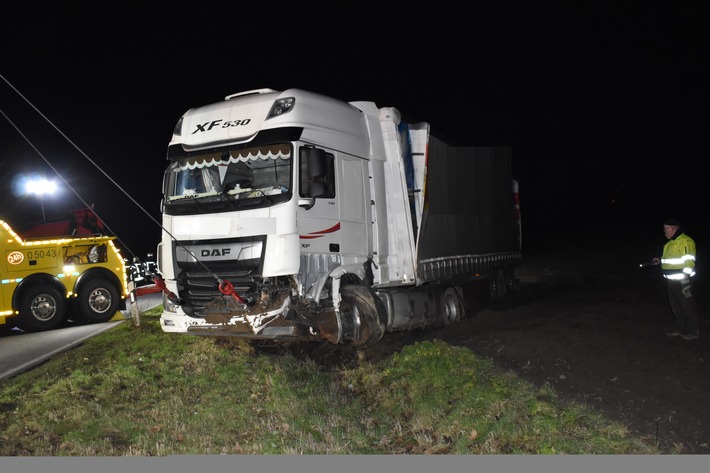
x=21, y=351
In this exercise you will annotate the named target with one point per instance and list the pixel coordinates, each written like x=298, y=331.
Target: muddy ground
x=595, y=330
x=602, y=340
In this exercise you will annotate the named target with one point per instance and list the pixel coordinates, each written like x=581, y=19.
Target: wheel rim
x=363, y=327
x=497, y=284
x=452, y=312
x=99, y=300
x=43, y=308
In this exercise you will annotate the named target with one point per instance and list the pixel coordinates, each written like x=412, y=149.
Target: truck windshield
x=239, y=173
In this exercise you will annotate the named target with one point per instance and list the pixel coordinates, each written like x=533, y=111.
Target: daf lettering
x=215, y=252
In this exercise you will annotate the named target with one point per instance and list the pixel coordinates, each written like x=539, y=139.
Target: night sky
x=600, y=100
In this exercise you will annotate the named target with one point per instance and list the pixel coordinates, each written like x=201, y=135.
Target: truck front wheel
x=98, y=301
x=364, y=315
x=41, y=308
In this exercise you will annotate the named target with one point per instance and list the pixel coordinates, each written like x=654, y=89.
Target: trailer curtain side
x=468, y=223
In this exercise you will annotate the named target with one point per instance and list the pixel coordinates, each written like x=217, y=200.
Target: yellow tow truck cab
x=45, y=280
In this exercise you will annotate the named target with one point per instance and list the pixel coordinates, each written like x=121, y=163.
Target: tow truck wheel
x=41, y=308
x=98, y=301
x=451, y=309
x=365, y=313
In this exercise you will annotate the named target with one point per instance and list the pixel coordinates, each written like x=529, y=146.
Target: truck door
x=335, y=223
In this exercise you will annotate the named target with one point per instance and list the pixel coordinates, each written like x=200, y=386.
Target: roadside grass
x=136, y=391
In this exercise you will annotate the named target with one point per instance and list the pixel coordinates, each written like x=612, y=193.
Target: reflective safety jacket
x=678, y=260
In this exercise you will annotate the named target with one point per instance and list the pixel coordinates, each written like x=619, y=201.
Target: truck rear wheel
x=41, y=308
x=451, y=307
x=98, y=301
x=365, y=315
x=497, y=281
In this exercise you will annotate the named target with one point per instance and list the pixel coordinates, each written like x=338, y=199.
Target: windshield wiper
x=263, y=194
x=185, y=201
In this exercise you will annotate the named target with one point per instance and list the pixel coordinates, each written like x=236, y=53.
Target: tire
x=98, y=301
x=498, y=284
x=41, y=308
x=451, y=306
x=365, y=310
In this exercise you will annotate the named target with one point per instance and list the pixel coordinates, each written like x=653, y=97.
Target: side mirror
x=316, y=162
x=317, y=189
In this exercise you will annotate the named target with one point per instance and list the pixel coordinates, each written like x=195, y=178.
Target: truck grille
x=201, y=287
x=237, y=261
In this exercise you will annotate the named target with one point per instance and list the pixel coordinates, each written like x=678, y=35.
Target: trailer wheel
x=451, y=309
x=498, y=284
x=364, y=315
x=41, y=308
x=98, y=301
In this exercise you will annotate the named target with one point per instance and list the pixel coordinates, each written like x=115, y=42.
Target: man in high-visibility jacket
x=678, y=267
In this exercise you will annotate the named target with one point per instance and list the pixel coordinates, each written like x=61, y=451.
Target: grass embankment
x=136, y=391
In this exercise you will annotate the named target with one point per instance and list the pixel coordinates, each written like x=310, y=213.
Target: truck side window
x=317, y=182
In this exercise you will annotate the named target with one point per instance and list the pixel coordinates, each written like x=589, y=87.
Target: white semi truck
x=292, y=216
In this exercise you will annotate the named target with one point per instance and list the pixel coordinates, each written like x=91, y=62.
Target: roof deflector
x=249, y=92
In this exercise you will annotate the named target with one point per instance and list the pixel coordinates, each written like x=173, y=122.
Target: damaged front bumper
x=267, y=320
